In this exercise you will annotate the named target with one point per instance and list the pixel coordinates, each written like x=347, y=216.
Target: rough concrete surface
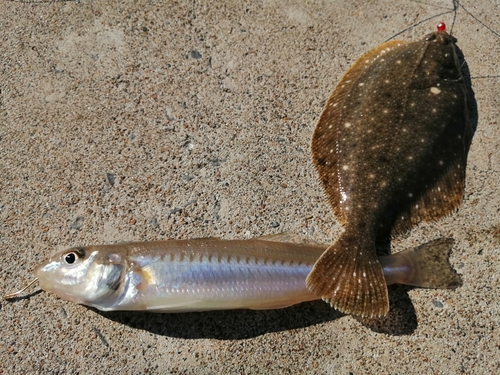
x=150, y=120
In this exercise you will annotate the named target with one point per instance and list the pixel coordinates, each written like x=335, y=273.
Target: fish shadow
x=401, y=319
x=245, y=324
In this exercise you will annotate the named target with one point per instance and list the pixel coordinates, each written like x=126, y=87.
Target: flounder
x=390, y=148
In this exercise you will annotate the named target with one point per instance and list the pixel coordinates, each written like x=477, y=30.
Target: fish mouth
x=441, y=37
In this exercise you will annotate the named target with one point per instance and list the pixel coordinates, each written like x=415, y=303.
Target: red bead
x=441, y=26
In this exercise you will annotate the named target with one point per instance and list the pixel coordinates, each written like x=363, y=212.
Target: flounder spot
x=344, y=197
x=435, y=90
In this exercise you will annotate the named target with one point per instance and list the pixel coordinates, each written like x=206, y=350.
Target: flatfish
x=390, y=148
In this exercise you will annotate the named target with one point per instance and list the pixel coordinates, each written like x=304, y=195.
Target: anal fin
x=349, y=276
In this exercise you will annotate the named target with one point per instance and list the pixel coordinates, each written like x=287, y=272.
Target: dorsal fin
x=439, y=201
x=289, y=237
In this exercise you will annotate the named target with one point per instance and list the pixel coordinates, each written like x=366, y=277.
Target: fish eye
x=72, y=256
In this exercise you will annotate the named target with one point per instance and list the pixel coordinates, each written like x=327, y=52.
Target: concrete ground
x=150, y=120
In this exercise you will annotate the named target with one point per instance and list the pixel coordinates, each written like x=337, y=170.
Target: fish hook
x=15, y=294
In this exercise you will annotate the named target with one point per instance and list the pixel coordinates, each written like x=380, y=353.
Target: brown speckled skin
x=390, y=149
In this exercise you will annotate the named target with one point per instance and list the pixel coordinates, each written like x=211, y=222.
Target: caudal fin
x=349, y=276
x=426, y=266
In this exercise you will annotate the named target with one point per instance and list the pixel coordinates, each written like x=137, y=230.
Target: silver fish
x=214, y=274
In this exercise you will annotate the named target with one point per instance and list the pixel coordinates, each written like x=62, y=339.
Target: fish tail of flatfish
x=350, y=278
x=426, y=266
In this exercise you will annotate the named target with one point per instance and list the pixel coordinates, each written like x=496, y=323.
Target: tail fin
x=426, y=266
x=349, y=276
